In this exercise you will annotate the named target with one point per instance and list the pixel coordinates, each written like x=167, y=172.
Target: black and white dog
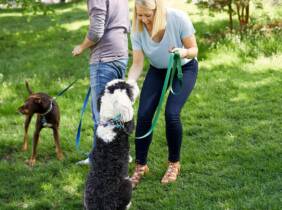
x=108, y=186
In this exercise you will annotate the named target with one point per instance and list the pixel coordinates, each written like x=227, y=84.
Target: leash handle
x=177, y=65
x=77, y=140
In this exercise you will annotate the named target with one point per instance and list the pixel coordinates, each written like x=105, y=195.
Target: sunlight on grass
x=81, y=6
x=25, y=205
x=255, y=84
x=205, y=16
x=220, y=58
x=10, y=15
x=47, y=187
x=6, y=91
x=240, y=97
x=72, y=183
x=75, y=25
x=264, y=64
x=230, y=136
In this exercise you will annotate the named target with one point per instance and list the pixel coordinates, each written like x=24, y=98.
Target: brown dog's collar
x=49, y=109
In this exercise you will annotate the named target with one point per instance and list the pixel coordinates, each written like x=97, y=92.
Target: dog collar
x=115, y=121
x=49, y=109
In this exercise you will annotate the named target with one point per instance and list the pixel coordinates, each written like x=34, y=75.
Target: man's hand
x=77, y=50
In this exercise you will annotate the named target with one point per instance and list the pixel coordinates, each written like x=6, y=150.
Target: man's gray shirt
x=108, y=29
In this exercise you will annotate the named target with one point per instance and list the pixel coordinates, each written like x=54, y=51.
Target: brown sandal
x=171, y=173
x=139, y=172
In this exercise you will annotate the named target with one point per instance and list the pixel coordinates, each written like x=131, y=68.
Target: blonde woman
x=157, y=31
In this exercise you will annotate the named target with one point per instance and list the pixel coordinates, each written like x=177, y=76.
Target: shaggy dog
x=108, y=186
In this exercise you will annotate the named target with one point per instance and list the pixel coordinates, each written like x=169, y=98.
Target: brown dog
x=48, y=115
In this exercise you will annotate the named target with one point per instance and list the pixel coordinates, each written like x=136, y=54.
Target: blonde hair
x=159, y=21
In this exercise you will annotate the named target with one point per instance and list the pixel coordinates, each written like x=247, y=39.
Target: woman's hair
x=159, y=18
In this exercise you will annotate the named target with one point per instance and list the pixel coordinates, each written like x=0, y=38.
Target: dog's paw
x=31, y=162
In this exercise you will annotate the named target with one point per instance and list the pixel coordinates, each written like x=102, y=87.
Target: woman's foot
x=139, y=172
x=171, y=173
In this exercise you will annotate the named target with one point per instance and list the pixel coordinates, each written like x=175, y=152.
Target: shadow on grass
x=46, y=186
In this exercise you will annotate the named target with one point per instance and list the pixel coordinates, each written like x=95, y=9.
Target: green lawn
x=231, y=153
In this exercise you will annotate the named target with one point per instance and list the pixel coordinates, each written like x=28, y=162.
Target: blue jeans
x=100, y=75
x=149, y=99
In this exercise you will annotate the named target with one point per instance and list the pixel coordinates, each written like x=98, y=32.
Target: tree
x=239, y=7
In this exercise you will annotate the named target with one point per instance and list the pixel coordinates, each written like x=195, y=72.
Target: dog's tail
x=27, y=87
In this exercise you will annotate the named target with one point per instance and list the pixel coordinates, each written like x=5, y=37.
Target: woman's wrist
x=186, y=53
x=191, y=53
x=132, y=78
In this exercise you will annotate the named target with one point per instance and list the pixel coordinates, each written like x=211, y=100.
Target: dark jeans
x=149, y=99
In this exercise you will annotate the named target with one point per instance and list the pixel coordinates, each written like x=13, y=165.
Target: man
x=108, y=44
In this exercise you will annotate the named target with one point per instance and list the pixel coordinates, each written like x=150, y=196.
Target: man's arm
x=77, y=50
x=97, y=16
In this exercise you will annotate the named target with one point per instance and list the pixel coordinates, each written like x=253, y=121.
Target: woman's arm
x=137, y=65
x=190, y=49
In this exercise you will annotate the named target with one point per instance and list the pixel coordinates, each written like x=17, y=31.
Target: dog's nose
x=22, y=110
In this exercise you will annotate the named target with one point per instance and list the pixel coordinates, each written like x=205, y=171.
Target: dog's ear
x=129, y=126
x=134, y=88
x=37, y=99
x=28, y=88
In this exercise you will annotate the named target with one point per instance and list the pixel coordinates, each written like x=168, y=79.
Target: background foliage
x=243, y=9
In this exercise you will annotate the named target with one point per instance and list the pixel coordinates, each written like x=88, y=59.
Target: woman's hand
x=182, y=52
x=77, y=50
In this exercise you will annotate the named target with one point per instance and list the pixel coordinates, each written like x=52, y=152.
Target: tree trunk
x=230, y=15
x=247, y=13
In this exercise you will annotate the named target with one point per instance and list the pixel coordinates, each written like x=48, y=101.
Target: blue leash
x=115, y=121
x=77, y=140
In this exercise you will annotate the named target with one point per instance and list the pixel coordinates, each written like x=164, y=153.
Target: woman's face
x=145, y=15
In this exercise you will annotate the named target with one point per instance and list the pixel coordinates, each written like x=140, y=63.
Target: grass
x=231, y=152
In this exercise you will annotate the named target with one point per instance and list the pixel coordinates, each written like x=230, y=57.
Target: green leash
x=173, y=64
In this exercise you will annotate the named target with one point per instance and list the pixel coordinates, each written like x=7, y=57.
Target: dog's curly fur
x=108, y=186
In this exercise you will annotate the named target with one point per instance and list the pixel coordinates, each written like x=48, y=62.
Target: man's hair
x=159, y=21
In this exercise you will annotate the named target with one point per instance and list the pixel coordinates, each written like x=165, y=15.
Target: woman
x=157, y=31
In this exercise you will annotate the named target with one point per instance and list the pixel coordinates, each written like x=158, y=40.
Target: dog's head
x=35, y=103
x=117, y=99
